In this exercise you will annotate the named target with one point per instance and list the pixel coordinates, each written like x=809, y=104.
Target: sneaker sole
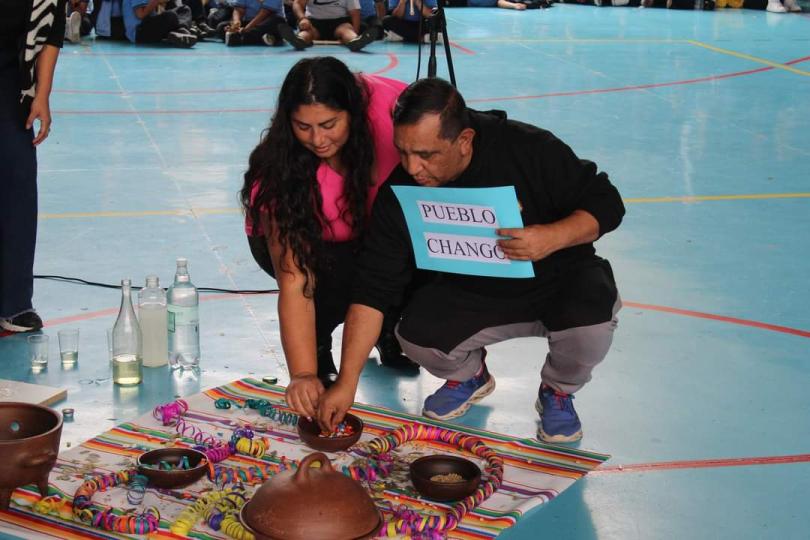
x=6, y=325
x=477, y=396
x=545, y=437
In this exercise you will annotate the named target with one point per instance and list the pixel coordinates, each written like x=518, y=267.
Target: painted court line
x=776, y=65
x=665, y=309
x=217, y=211
x=701, y=464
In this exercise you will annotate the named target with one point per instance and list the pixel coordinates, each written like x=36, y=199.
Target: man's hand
x=304, y=25
x=40, y=109
x=333, y=406
x=304, y=393
x=530, y=243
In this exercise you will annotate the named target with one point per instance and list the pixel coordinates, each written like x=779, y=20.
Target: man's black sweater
x=551, y=182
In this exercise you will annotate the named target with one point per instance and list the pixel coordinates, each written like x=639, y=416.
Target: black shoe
x=233, y=39
x=289, y=35
x=206, y=30
x=327, y=372
x=24, y=322
x=391, y=354
x=362, y=40
x=183, y=40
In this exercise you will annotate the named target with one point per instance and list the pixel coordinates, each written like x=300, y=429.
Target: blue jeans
x=18, y=196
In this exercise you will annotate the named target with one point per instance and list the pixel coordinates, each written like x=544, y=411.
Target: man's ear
x=465, y=140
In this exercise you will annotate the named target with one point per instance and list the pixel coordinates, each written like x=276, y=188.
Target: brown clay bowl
x=424, y=468
x=309, y=431
x=29, y=445
x=175, y=478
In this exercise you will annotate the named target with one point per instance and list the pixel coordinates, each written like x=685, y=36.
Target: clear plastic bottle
x=152, y=315
x=127, y=342
x=183, y=320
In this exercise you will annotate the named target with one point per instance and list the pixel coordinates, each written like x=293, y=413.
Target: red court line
x=472, y=100
x=701, y=464
x=721, y=318
x=463, y=49
x=393, y=62
x=651, y=307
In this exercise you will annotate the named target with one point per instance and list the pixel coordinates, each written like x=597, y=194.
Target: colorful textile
x=534, y=473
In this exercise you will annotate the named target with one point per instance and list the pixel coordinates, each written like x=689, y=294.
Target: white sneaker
x=392, y=36
x=792, y=6
x=774, y=6
x=439, y=38
x=73, y=28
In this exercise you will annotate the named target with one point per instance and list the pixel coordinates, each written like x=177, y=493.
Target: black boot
x=327, y=372
x=391, y=353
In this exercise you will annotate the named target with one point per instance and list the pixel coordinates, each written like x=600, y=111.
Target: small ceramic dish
x=149, y=463
x=310, y=433
x=445, y=478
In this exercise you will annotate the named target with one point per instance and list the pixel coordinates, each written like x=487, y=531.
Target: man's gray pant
x=445, y=328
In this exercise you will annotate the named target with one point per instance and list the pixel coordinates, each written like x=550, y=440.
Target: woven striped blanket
x=534, y=473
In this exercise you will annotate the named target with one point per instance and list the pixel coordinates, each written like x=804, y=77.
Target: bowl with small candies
x=171, y=468
x=445, y=478
x=345, y=435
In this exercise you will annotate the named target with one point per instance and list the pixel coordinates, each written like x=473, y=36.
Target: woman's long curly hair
x=287, y=172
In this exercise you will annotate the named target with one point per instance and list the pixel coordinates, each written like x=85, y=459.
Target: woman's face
x=321, y=129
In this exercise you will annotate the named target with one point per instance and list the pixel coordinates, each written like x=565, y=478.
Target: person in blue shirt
x=108, y=19
x=402, y=21
x=327, y=19
x=147, y=21
x=253, y=22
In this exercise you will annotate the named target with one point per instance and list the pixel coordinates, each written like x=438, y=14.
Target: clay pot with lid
x=29, y=446
x=311, y=503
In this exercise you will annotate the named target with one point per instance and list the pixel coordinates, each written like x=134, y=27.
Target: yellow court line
x=216, y=211
x=776, y=65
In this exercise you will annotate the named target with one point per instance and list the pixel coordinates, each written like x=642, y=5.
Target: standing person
x=403, y=20
x=307, y=192
x=446, y=325
x=327, y=19
x=31, y=34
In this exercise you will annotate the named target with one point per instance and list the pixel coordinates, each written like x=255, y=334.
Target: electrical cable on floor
x=80, y=281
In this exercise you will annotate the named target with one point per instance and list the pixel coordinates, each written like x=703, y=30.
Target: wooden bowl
x=175, y=478
x=425, y=468
x=310, y=431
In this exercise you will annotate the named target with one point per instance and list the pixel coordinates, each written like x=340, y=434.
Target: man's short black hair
x=433, y=96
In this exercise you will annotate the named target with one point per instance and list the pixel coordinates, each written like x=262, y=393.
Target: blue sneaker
x=558, y=418
x=455, y=397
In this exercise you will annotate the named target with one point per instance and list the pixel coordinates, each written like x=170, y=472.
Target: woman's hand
x=40, y=109
x=334, y=404
x=304, y=393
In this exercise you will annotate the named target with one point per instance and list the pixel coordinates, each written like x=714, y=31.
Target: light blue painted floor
x=702, y=121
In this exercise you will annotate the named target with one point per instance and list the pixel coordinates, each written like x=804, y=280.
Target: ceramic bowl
x=425, y=468
x=175, y=478
x=309, y=431
x=29, y=445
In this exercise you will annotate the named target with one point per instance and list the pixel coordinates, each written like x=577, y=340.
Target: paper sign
x=453, y=229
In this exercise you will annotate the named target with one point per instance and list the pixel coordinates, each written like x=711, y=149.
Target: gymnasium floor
x=702, y=121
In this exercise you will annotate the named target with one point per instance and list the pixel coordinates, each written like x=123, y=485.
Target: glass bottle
x=127, y=342
x=153, y=319
x=183, y=320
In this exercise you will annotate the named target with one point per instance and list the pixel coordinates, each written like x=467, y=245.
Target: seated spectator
x=371, y=15
x=775, y=6
x=146, y=23
x=327, y=19
x=403, y=20
x=518, y=5
x=253, y=22
x=78, y=21
x=218, y=12
x=108, y=19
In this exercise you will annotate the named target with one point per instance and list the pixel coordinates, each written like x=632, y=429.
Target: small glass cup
x=69, y=346
x=38, y=346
